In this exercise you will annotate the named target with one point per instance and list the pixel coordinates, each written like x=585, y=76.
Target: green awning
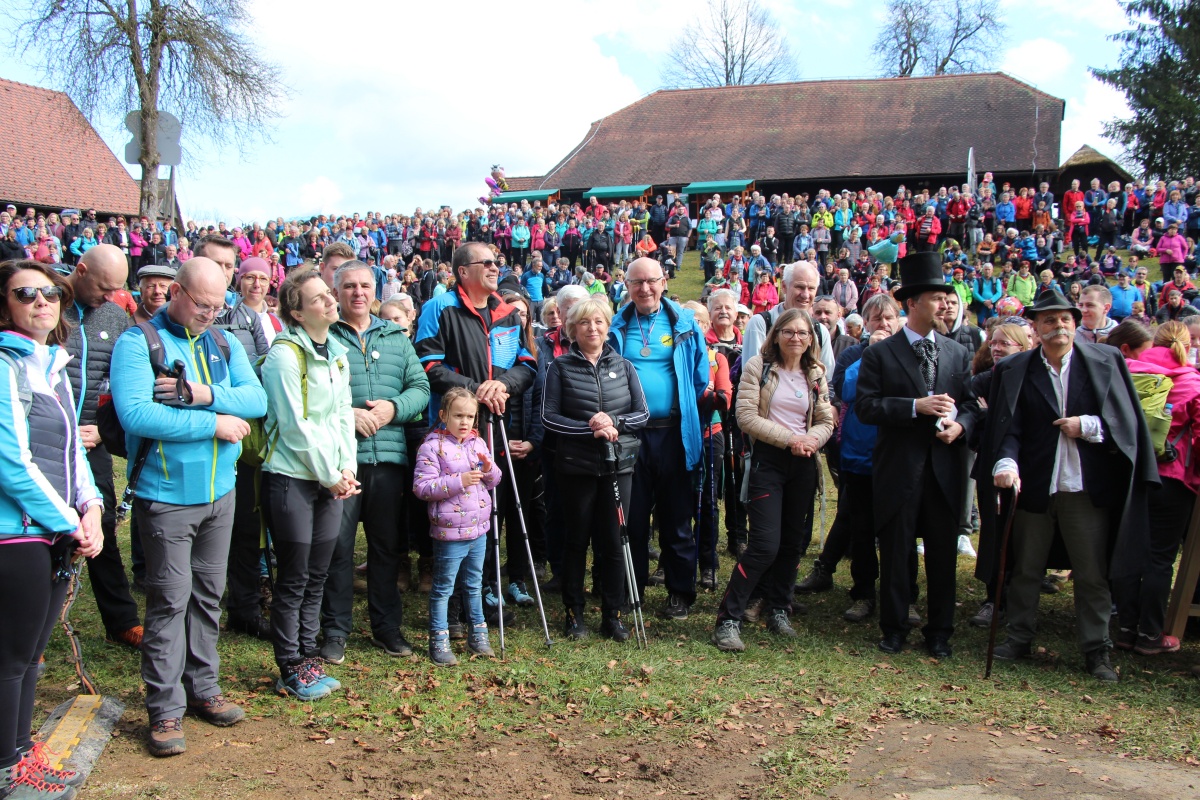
x=516, y=197
x=616, y=192
x=715, y=187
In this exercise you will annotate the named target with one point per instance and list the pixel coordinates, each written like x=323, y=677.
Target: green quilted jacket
x=384, y=366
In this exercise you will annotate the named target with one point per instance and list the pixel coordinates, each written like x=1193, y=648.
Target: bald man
x=185, y=492
x=97, y=324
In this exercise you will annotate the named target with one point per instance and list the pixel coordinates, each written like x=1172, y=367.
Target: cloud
x=1085, y=116
x=398, y=105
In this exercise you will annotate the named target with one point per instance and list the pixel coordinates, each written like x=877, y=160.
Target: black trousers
x=735, y=511
x=379, y=507
x=782, y=487
x=304, y=519
x=529, y=484
x=664, y=486
x=853, y=534
x=592, y=497
x=110, y=585
x=245, y=552
x=1142, y=599
x=936, y=519
x=710, y=492
x=32, y=599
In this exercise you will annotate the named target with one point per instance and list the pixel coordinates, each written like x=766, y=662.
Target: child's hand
x=471, y=478
x=485, y=462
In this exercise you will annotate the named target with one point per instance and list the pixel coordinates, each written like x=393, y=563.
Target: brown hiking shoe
x=166, y=738
x=216, y=710
x=130, y=638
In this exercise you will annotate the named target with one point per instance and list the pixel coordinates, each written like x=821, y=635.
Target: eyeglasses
x=792, y=334
x=488, y=262
x=201, y=309
x=27, y=294
x=635, y=285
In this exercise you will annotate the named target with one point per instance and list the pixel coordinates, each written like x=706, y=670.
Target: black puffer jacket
x=91, y=343
x=575, y=391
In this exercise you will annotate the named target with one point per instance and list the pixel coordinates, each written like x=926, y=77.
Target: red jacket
x=1023, y=206
x=934, y=230
x=1069, y=201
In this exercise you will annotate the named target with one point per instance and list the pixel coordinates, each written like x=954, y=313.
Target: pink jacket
x=1172, y=249
x=1185, y=399
x=456, y=512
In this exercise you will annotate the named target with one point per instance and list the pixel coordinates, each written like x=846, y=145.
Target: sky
x=394, y=105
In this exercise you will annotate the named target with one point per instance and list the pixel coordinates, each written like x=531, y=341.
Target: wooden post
x=1181, y=606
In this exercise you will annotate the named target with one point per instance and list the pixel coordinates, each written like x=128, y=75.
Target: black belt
x=666, y=422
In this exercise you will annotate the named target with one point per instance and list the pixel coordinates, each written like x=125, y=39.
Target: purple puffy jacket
x=456, y=512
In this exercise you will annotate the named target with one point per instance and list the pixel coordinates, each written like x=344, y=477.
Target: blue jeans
x=448, y=559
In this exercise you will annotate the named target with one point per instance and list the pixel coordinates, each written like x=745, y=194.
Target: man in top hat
x=1065, y=430
x=914, y=386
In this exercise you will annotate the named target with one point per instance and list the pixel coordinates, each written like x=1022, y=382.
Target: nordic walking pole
x=635, y=601
x=1008, y=526
x=537, y=592
x=712, y=501
x=496, y=539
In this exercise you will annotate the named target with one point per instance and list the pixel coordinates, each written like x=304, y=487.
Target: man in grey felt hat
x=1066, y=432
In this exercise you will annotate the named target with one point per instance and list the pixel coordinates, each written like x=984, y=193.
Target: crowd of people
x=523, y=372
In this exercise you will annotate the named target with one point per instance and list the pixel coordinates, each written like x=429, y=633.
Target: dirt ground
x=895, y=759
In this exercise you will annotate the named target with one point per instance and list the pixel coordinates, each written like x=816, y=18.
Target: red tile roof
x=523, y=183
x=52, y=157
x=820, y=129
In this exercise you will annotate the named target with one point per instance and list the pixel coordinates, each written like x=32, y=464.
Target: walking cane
x=635, y=600
x=496, y=540
x=1008, y=526
x=537, y=592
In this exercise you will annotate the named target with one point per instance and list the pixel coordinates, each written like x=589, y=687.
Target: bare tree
x=187, y=57
x=731, y=43
x=939, y=37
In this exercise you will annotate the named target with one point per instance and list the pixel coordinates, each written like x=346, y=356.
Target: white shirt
x=1067, y=474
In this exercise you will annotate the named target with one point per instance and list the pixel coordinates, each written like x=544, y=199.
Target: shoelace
x=38, y=760
x=165, y=725
x=311, y=670
x=24, y=774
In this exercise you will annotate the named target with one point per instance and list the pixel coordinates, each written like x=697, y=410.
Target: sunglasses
x=27, y=294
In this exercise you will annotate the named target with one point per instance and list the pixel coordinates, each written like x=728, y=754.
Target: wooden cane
x=1008, y=526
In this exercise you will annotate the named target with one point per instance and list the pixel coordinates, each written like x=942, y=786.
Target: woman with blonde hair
x=1142, y=599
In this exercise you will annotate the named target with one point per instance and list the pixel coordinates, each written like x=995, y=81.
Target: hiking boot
x=393, y=643
x=1051, y=584
x=573, y=627
x=741, y=549
x=317, y=667
x=728, y=636
x=819, y=580
x=302, y=681
x=1010, y=650
x=914, y=616
x=1155, y=647
x=1125, y=639
x=1099, y=666
x=965, y=548
x=477, y=641
x=38, y=758
x=257, y=626
x=439, y=649
x=404, y=578
x=359, y=585
x=551, y=586
x=333, y=650
x=216, y=710
x=265, y=594
x=130, y=637
x=613, y=628
x=492, y=606
x=708, y=579
x=778, y=623
x=166, y=738
x=658, y=578
x=753, y=611
x=455, y=622
x=517, y=594
x=541, y=571
x=675, y=608
x=859, y=611
x=23, y=781
x=983, y=617
x=424, y=574
x=654, y=553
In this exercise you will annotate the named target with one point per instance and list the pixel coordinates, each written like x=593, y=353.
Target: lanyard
x=646, y=335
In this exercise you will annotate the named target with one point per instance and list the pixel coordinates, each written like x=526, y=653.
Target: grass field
x=832, y=680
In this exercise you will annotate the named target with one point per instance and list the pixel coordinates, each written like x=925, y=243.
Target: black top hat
x=921, y=272
x=1052, y=300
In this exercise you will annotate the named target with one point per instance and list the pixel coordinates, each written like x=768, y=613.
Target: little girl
x=453, y=473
